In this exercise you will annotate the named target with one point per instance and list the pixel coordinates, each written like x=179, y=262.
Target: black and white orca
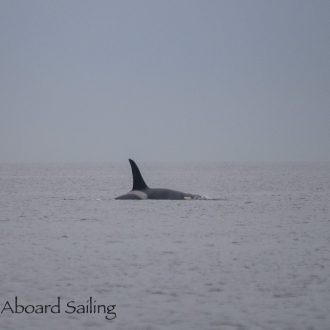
x=141, y=191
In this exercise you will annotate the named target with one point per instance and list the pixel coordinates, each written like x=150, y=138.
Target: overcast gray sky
x=164, y=80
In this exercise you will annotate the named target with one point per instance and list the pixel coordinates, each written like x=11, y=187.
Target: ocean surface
x=256, y=255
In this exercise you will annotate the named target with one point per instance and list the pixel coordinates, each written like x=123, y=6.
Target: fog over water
x=164, y=80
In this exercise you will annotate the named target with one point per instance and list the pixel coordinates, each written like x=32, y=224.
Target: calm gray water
x=257, y=257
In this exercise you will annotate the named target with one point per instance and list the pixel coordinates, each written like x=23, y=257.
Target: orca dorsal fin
x=138, y=182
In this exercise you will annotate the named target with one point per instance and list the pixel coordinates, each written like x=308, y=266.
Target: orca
x=141, y=191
